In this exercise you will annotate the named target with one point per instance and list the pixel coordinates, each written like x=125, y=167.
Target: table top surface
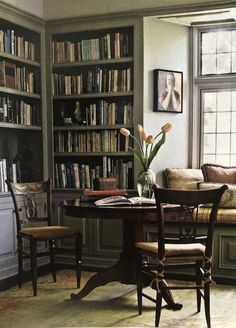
x=76, y=208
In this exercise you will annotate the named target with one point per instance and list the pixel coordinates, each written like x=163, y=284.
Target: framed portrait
x=168, y=91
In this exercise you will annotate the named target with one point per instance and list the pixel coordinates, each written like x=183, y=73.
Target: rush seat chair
x=187, y=247
x=33, y=206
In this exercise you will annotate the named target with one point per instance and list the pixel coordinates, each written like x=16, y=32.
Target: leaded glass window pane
x=223, y=63
x=223, y=41
x=210, y=102
x=219, y=126
x=209, y=43
x=218, y=52
x=223, y=101
x=209, y=144
x=208, y=64
x=223, y=122
x=209, y=122
x=222, y=143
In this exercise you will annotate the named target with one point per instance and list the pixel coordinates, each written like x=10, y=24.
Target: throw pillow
x=183, y=178
x=228, y=199
x=218, y=173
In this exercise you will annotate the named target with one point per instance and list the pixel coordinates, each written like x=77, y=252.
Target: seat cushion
x=52, y=232
x=194, y=249
x=224, y=215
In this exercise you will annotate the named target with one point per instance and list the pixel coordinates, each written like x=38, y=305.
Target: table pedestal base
x=114, y=273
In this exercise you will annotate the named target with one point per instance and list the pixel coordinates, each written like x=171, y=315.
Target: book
x=2, y=74
x=10, y=74
x=121, y=200
x=113, y=192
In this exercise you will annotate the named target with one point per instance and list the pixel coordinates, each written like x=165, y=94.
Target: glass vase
x=145, y=181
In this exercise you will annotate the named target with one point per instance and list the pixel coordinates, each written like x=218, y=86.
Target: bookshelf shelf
x=94, y=154
x=94, y=127
x=95, y=95
x=19, y=93
x=20, y=126
x=19, y=59
x=94, y=62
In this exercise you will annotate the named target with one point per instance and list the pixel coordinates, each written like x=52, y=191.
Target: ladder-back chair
x=188, y=247
x=33, y=206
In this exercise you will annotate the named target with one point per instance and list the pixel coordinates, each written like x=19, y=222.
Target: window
x=218, y=52
x=219, y=127
x=217, y=69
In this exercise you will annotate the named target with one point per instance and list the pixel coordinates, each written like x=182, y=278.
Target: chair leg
x=33, y=257
x=78, y=258
x=20, y=260
x=198, y=280
x=158, y=308
x=207, y=304
x=139, y=283
x=52, y=259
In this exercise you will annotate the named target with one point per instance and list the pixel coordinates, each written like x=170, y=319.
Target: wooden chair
x=33, y=205
x=187, y=248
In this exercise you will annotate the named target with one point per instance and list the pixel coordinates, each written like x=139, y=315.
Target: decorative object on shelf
x=147, y=150
x=168, y=91
x=77, y=113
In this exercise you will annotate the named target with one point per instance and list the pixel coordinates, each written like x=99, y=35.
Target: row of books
x=79, y=175
x=17, y=111
x=96, y=80
x=16, y=45
x=110, y=45
x=90, y=141
x=100, y=112
x=105, y=113
x=9, y=170
x=16, y=77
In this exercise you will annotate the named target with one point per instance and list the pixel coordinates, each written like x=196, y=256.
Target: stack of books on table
x=91, y=195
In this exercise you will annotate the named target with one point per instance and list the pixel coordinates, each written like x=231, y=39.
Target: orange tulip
x=167, y=127
x=143, y=135
x=140, y=128
x=150, y=139
x=124, y=132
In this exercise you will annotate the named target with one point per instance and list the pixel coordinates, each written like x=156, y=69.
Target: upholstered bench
x=224, y=245
x=210, y=176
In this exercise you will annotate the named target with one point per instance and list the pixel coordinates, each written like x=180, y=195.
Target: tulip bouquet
x=148, y=146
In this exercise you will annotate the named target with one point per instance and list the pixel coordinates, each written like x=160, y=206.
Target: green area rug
x=113, y=305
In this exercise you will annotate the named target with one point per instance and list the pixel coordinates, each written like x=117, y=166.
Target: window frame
x=201, y=83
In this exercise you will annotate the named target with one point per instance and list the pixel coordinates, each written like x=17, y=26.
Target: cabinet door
x=8, y=256
x=224, y=252
x=102, y=239
x=84, y=225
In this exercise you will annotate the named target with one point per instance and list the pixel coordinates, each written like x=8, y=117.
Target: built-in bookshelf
x=21, y=133
x=92, y=87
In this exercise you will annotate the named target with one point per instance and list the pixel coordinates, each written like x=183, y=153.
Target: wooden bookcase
x=21, y=104
x=106, y=85
x=23, y=121
x=92, y=87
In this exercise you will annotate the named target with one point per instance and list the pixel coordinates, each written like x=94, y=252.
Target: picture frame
x=168, y=91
